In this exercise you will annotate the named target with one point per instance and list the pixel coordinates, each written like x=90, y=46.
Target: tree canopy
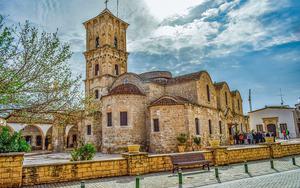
x=35, y=75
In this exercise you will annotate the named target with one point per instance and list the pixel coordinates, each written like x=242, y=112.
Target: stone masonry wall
x=12, y=174
x=116, y=138
x=11, y=169
x=172, y=122
x=73, y=171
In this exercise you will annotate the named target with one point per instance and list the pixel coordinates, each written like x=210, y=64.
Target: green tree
x=12, y=142
x=34, y=74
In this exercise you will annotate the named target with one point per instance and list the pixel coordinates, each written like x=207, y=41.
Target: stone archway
x=71, y=136
x=48, y=139
x=33, y=136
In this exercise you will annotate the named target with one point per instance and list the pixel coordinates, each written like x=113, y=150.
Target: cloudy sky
x=248, y=43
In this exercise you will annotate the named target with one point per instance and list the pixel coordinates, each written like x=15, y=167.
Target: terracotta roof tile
x=126, y=89
x=169, y=100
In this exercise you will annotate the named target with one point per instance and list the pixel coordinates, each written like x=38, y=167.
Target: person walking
x=287, y=134
x=284, y=134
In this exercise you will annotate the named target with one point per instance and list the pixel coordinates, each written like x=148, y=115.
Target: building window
x=259, y=128
x=197, y=126
x=123, y=119
x=238, y=104
x=116, y=42
x=283, y=126
x=97, y=42
x=209, y=127
x=96, y=69
x=156, y=125
x=220, y=127
x=208, y=93
x=241, y=127
x=28, y=139
x=226, y=99
x=38, y=140
x=96, y=94
x=116, y=70
x=109, y=119
x=89, y=130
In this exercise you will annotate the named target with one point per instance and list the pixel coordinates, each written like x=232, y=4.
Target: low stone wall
x=12, y=174
x=11, y=169
x=72, y=171
x=281, y=150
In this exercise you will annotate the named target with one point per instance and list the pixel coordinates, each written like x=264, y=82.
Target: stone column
x=43, y=143
x=58, y=137
x=137, y=163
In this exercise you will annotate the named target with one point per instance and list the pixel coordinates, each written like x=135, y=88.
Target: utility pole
x=117, y=8
x=281, y=97
x=250, y=101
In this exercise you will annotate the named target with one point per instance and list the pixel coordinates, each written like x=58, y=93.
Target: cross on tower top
x=106, y=1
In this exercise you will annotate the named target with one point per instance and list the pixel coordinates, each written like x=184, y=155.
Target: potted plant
x=215, y=141
x=182, y=139
x=134, y=148
x=197, y=142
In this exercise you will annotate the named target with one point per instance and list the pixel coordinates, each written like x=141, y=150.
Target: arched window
x=96, y=94
x=116, y=70
x=238, y=103
x=209, y=127
x=116, y=42
x=197, y=126
x=220, y=127
x=208, y=93
x=226, y=99
x=96, y=69
x=97, y=42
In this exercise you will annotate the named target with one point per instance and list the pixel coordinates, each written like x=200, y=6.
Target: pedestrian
x=241, y=138
x=287, y=134
x=284, y=134
x=249, y=138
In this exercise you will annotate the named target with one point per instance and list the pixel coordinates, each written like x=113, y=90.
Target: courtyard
x=284, y=174
x=42, y=157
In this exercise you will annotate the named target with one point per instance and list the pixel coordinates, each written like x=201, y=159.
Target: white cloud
x=242, y=30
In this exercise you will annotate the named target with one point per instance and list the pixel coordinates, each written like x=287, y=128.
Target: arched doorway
x=48, y=140
x=72, y=137
x=271, y=128
x=33, y=136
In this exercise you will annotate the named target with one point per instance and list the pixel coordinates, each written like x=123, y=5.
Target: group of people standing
x=254, y=137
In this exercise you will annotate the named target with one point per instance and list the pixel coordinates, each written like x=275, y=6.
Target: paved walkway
x=230, y=176
x=288, y=179
x=60, y=158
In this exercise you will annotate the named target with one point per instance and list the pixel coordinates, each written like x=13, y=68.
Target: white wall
x=284, y=116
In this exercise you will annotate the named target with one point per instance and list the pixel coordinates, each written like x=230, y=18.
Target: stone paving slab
x=191, y=178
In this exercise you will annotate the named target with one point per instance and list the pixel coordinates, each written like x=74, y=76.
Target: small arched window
x=116, y=42
x=96, y=94
x=209, y=127
x=97, y=42
x=116, y=70
x=208, y=93
x=96, y=69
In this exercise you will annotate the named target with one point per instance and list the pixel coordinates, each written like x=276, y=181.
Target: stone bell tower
x=106, y=53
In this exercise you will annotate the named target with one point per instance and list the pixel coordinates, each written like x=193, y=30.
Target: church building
x=153, y=108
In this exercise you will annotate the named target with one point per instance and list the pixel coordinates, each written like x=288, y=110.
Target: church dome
x=126, y=89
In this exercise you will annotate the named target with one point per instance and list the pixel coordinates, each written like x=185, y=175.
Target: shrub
x=182, y=138
x=197, y=141
x=83, y=153
x=12, y=142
